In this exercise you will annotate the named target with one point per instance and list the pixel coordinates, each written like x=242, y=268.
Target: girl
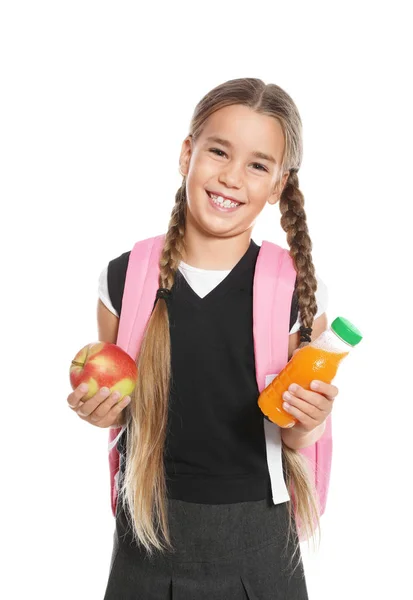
x=195, y=517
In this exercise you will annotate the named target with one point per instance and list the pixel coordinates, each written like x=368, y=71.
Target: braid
x=174, y=240
x=294, y=223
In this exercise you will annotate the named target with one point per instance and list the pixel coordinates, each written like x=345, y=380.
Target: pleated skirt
x=221, y=552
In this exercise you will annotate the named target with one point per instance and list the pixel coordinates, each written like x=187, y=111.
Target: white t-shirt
x=202, y=281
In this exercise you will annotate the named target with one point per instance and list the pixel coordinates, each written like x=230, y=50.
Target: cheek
x=196, y=175
x=193, y=191
x=261, y=191
x=257, y=201
x=199, y=176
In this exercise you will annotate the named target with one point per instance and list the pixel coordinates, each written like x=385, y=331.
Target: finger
x=104, y=407
x=305, y=419
x=113, y=414
x=314, y=398
x=90, y=405
x=310, y=410
x=76, y=396
x=327, y=389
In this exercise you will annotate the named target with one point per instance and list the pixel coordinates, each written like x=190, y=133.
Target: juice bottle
x=318, y=360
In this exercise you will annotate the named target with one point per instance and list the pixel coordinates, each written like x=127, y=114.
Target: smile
x=222, y=204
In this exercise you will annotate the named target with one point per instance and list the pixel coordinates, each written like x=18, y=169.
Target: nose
x=230, y=175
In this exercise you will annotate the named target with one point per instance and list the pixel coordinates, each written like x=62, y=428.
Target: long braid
x=174, y=240
x=144, y=487
x=294, y=223
x=169, y=261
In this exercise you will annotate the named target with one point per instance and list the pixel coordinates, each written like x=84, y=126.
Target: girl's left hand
x=310, y=408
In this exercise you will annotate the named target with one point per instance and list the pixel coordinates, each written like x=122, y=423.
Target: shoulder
x=119, y=264
x=113, y=276
x=116, y=276
x=117, y=267
x=112, y=282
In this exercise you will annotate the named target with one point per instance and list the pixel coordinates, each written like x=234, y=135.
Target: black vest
x=215, y=445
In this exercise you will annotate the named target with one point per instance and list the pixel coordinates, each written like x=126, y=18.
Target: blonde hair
x=143, y=489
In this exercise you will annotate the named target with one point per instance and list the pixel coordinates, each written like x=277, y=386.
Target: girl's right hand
x=102, y=410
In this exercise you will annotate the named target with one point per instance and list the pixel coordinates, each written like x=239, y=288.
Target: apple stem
x=77, y=364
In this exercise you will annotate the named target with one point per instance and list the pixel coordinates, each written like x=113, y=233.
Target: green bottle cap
x=346, y=331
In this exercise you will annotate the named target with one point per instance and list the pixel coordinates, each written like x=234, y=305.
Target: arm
x=108, y=325
x=297, y=439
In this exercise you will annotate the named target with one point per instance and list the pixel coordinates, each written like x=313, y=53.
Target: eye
x=215, y=150
x=260, y=165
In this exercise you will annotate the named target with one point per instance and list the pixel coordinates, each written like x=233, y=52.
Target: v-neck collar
x=245, y=262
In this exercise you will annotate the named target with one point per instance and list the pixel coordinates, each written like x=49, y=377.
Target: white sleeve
x=322, y=302
x=103, y=291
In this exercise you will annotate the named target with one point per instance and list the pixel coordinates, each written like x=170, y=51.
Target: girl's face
x=238, y=154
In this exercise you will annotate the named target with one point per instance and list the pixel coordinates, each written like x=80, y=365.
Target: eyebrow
x=228, y=144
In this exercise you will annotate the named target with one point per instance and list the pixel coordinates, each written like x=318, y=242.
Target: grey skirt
x=222, y=552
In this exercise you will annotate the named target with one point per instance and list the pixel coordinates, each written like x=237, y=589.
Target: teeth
x=224, y=202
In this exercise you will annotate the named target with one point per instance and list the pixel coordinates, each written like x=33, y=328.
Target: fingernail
x=293, y=387
x=314, y=385
x=127, y=400
x=116, y=396
x=105, y=390
x=84, y=387
x=286, y=406
x=287, y=396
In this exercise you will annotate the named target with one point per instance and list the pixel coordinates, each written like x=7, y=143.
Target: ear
x=185, y=156
x=276, y=194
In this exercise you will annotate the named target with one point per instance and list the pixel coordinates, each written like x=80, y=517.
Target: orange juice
x=319, y=360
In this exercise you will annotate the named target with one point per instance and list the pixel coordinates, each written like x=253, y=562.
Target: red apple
x=102, y=364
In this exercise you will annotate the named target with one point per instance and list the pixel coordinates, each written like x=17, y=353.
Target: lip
x=221, y=208
x=225, y=196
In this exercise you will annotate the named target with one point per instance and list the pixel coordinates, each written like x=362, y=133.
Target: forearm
x=297, y=439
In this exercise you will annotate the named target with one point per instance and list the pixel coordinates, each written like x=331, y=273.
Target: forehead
x=246, y=129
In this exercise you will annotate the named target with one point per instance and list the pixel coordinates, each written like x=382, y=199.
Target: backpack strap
x=141, y=283
x=274, y=282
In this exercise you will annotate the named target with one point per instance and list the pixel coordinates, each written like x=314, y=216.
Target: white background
x=96, y=100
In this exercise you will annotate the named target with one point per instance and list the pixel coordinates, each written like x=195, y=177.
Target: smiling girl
x=196, y=516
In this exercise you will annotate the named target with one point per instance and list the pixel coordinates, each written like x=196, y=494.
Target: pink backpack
x=272, y=294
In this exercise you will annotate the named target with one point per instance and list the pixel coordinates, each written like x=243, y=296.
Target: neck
x=216, y=253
